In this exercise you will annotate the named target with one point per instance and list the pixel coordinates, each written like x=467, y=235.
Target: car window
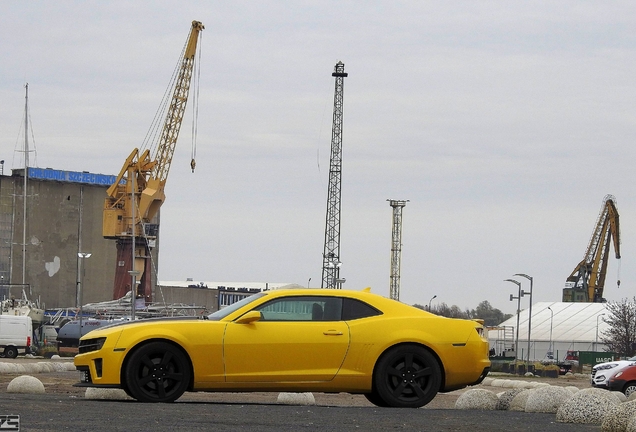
x=302, y=308
x=356, y=309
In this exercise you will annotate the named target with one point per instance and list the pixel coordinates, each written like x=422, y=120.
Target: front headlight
x=89, y=345
x=618, y=374
x=607, y=366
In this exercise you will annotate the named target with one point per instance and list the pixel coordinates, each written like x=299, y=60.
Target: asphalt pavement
x=59, y=412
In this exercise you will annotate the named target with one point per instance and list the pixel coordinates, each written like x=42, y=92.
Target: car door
x=297, y=339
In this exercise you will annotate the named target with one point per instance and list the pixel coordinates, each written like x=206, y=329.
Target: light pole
x=596, y=341
x=133, y=291
x=518, y=312
x=529, y=310
x=429, y=302
x=550, y=354
x=82, y=256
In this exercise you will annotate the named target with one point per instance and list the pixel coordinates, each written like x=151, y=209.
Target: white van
x=15, y=335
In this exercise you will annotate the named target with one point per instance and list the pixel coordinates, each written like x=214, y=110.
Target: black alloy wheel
x=407, y=376
x=157, y=372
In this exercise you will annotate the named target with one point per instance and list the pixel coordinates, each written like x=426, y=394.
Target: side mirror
x=249, y=317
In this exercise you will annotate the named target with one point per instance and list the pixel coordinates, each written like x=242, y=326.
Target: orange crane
x=587, y=281
x=133, y=201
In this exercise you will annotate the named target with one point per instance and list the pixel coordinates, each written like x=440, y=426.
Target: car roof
x=383, y=303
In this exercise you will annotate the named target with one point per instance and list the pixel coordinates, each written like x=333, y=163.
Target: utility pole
x=396, y=247
x=331, y=255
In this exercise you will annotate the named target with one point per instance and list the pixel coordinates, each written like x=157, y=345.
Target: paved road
x=58, y=412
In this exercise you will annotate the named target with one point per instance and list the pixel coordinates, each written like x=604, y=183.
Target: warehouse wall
x=54, y=237
x=204, y=297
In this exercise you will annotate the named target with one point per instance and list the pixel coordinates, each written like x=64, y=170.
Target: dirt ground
x=61, y=383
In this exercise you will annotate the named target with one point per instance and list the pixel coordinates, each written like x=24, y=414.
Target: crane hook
x=193, y=164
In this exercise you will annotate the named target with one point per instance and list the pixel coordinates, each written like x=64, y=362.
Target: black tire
x=124, y=387
x=629, y=388
x=10, y=352
x=375, y=399
x=157, y=372
x=407, y=376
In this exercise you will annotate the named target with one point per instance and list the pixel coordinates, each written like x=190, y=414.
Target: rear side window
x=356, y=309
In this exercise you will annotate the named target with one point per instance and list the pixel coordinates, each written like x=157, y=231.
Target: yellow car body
x=308, y=340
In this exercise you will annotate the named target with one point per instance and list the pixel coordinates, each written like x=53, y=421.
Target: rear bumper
x=483, y=375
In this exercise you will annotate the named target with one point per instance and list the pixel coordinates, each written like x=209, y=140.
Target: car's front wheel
x=407, y=376
x=375, y=399
x=157, y=372
x=629, y=388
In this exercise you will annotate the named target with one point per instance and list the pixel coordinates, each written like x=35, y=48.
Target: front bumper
x=87, y=381
x=602, y=383
x=99, y=362
x=616, y=385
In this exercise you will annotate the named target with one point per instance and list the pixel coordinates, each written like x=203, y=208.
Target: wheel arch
x=631, y=383
x=421, y=345
x=130, y=352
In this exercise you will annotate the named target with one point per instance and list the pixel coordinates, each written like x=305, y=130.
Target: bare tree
x=621, y=335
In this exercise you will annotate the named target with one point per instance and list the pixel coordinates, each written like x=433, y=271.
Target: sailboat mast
x=24, y=189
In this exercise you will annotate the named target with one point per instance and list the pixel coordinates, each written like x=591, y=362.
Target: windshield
x=222, y=313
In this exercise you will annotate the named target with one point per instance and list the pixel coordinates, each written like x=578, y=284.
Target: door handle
x=332, y=333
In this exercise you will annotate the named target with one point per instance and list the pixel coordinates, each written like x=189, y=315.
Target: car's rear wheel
x=157, y=372
x=407, y=376
x=629, y=388
x=10, y=352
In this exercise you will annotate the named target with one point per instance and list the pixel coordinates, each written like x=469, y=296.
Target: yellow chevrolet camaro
x=308, y=340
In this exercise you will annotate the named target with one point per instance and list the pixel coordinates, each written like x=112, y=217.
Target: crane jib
x=129, y=212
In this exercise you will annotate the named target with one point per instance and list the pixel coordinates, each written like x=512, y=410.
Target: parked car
x=322, y=340
x=602, y=372
x=15, y=335
x=624, y=381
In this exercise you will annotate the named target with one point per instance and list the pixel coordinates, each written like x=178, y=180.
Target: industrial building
x=43, y=229
x=556, y=326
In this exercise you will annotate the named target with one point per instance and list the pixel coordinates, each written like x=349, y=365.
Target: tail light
x=28, y=341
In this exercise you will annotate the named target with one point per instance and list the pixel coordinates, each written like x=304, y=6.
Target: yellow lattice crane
x=587, y=281
x=138, y=192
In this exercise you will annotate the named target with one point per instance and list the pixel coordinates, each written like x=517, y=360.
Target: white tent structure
x=564, y=326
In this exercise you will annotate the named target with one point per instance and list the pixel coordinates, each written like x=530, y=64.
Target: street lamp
x=429, y=302
x=518, y=312
x=596, y=341
x=550, y=353
x=529, y=310
x=133, y=291
x=82, y=256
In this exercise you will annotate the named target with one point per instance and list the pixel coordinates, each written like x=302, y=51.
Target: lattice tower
x=331, y=254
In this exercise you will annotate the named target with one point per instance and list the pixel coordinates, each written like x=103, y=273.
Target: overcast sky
x=504, y=123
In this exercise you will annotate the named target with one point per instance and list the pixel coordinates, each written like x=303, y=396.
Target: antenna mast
x=331, y=255
x=396, y=247
x=26, y=175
